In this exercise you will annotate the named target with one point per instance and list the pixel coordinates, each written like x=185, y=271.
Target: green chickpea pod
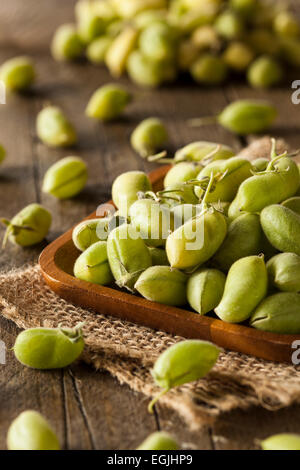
x=157, y=42
x=126, y=187
x=54, y=129
x=281, y=442
x=66, y=178
x=278, y=313
x=182, y=363
x=199, y=238
x=31, y=431
x=49, y=348
x=159, y=441
x=246, y=286
x=264, y=72
x=163, y=284
x=209, y=69
x=229, y=25
x=149, y=136
x=89, y=232
x=66, y=43
x=18, y=74
x=97, y=49
x=203, y=151
x=92, y=265
x=145, y=72
x=238, y=56
x=128, y=255
x=119, y=51
x=29, y=227
x=108, y=102
x=205, y=288
x=242, y=117
x=284, y=272
x=286, y=24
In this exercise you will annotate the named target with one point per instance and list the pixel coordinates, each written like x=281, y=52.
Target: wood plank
x=243, y=430
x=117, y=417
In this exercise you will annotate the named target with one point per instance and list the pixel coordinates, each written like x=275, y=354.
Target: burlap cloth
x=128, y=351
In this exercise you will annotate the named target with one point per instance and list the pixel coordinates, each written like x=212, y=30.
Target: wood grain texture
x=68, y=398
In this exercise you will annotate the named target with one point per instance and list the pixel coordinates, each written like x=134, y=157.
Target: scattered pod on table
x=286, y=24
x=281, y=226
x=128, y=255
x=292, y=203
x=54, y=129
x=149, y=137
x=49, y=348
x=66, y=178
x=29, y=227
x=18, y=74
x=284, y=272
x=202, y=151
x=96, y=51
x=279, y=182
x=229, y=25
x=244, y=238
x=232, y=171
x=243, y=117
x=66, y=43
x=130, y=8
x=164, y=285
x=158, y=256
x=31, y=431
x=145, y=72
x=126, y=187
x=260, y=164
x=146, y=18
x=90, y=24
x=154, y=221
x=159, y=440
x=108, y=102
x=119, y=51
x=89, y=232
x=285, y=441
x=209, y=69
x=157, y=42
x=238, y=56
x=279, y=313
x=246, y=286
x=199, y=238
x=2, y=153
x=182, y=363
x=92, y=265
x=205, y=289
x=205, y=37
x=264, y=72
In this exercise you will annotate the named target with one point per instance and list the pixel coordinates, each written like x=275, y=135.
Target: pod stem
x=160, y=158
x=7, y=224
x=209, y=186
x=74, y=334
x=203, y=121
x=155, y=399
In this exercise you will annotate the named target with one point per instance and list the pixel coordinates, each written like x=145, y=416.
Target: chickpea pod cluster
x=222, y=236
x=154, y=41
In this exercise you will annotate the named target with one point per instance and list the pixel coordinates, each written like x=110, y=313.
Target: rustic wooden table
x=91, y=410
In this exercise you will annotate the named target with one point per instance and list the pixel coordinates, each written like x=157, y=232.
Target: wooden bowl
x=57, y=260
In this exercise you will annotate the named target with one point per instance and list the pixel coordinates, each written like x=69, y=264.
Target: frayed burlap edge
x=128, y=351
